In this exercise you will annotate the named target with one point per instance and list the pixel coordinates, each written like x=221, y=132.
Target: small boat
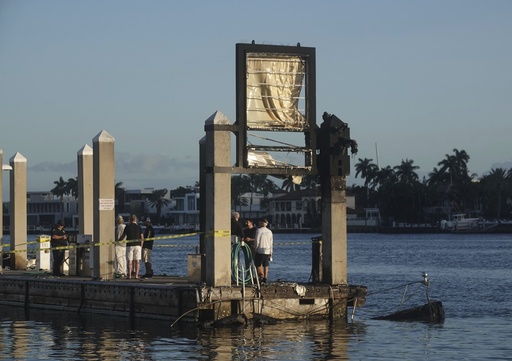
x=461, y=223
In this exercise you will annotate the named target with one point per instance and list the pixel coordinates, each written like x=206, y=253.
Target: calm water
x=470, y=274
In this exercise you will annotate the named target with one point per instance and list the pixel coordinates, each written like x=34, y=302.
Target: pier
x=175, y=298
x=213, y=295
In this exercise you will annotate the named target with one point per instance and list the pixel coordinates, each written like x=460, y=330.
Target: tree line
x=450, y=188
x=397, y=191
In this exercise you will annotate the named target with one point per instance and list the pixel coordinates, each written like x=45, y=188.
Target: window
x=180, y=205
x=191, y=202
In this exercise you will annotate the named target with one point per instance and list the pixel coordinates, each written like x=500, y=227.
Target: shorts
x=133, y=253
x=261, y=260
x=146, y=255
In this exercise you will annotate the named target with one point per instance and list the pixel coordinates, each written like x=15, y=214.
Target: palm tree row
x=63, y=188
x=397, y=191
x=402, y=197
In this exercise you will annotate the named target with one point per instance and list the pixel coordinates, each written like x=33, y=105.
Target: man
x=263, y=244
x=236, y=227
x=120, y=249
x=250, y=235
x=58, y=242
x=147, y=248
x=135, y=238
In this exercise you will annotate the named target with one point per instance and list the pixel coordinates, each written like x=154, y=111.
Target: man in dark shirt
x=58, y=240
x=135, y=239
x=147, y=248
x=250, y=234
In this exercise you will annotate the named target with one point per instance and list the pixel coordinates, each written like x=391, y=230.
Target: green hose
x=236, y=273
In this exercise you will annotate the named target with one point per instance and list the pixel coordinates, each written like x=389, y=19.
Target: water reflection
x=284, y=341
x=41, y=334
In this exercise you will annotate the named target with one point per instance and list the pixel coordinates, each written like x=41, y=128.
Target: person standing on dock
x=120, y=249
x=59, y=240
x=250, y=235
x=263, y=244
x=135, y=238
x=236, y=227
x=147, y=248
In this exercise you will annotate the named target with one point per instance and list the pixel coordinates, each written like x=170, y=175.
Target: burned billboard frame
x=271, y=82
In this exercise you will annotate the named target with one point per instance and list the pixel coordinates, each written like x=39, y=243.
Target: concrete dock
x=174, y=298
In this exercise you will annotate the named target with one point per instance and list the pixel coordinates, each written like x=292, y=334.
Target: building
x=296, y=210
x=300, y=210
x=184, y=212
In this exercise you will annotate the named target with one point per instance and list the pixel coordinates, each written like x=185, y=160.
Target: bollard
x=43, y=253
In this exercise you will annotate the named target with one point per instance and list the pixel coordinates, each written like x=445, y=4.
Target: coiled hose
x=238, y=275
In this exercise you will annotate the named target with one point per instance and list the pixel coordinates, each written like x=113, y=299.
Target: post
x=333, y=166
x=18, y=212
x=218, y=201
x=85, y=208
x=334, y=230
x=103, y=205
x=85, y=189
x=202, y=206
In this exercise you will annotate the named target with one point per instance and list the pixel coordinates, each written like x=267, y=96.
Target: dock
x=177, y=299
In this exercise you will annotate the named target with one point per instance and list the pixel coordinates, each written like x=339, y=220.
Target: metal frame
x=240, y=127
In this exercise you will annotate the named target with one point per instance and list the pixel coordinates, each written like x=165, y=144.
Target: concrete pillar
x=103, y=205
x=18, y=212
x=85, y=189
x=217, y=209
x=334, y=230
x=202, y=206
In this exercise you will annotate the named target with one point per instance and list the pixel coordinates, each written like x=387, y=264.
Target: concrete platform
x=174, y=298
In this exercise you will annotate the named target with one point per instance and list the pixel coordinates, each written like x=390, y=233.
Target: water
x=470, y=274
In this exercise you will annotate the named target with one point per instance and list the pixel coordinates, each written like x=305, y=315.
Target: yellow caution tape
x=99, y=244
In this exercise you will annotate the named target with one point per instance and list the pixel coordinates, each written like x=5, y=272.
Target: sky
x=413, y=79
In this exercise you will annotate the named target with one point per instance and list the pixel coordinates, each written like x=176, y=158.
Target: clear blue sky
x=418, y=78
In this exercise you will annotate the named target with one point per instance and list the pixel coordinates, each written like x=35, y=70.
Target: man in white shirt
x=263, y=244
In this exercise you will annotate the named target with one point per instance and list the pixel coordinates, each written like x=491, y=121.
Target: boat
x=461, y=223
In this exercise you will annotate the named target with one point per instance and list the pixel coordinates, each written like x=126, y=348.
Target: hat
x=264, y=220
x=148, y=219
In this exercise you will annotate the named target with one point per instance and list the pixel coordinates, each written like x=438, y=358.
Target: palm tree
x=454, y=173
x=72, y=187
x=310, y=181
x=383, y=176
x=60, y=189
x=256, y=183
x=455, y=166
x=406, y=171
x=368, y=171
x=156, y=199
x=239, y=186
x=496, y=186
x=289, y=186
